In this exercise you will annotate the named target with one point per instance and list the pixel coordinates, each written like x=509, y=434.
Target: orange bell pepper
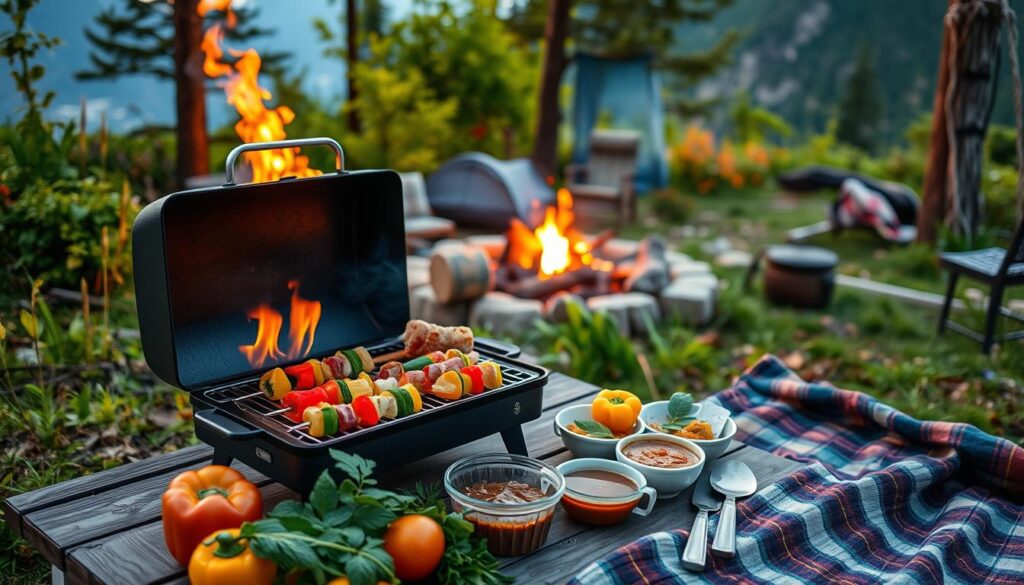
x=201, y=501
x=224, y=559
x=616, y=409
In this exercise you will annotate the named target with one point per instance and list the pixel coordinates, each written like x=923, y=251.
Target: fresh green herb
x=339, y=532
x=594, y=429
x=679, y=406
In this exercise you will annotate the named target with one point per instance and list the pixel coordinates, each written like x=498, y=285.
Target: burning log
x=651, y=271
x=537, y=288
x=601, y=239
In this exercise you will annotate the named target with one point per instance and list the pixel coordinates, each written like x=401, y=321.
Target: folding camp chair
x=996, y=267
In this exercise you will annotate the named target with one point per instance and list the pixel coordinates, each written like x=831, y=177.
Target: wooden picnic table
x=105, y=527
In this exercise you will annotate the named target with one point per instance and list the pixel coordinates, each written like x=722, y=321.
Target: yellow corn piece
x=315, y=417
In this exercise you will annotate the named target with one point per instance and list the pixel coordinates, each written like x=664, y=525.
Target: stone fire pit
x=687, y=293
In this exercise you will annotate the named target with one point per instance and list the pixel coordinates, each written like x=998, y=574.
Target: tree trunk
x=352, y=46
x=193, y=155
x=977, y=46
x=545, y=144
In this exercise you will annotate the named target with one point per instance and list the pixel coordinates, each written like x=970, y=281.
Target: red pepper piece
x=477, y=376
x=365, y=410
x=303, y=376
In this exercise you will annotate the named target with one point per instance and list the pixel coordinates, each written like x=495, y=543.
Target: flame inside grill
x=302, y=322
x=258, y=123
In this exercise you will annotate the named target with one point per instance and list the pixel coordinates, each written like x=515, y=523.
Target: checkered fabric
x=885, y=498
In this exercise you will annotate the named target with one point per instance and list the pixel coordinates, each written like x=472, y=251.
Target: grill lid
x=307, y=265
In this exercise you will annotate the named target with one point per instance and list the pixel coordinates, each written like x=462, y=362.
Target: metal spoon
x=706, y=500
x=735, y=480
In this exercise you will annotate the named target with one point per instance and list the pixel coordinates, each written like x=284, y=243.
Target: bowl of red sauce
x=603, y=492
x=509, y=498
x=669, y=463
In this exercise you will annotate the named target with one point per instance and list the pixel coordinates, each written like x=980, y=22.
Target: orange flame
x=302, y=323
x=265, y=346
x=552, y=248
x=242, y=89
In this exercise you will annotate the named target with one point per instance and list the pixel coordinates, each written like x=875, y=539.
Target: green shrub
x=55, y=231
x=672, y=206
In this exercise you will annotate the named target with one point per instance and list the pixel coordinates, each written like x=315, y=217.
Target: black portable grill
x=205, y=258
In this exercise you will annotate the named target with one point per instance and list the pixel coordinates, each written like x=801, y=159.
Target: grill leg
x=221, y=458
x=950, y=291
x=515, y=442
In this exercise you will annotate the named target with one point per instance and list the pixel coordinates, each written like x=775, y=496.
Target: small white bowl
x=582, y=445
x=657, y=413
x=668, y=481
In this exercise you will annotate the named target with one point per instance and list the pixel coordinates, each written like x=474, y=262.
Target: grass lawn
x=863, y=342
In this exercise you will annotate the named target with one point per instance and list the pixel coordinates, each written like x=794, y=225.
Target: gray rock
x=628, y=310
x=424, y=305
x=691, y=300
x=554, y=308
x=734, y=259
x=651, y=271
x=501, y=313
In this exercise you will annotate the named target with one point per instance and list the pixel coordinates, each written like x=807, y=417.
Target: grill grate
x=250, y=400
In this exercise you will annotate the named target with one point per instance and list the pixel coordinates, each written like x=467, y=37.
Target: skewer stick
x=254, y=394
x=387, y=357
x=277, y=412
x=298, y=427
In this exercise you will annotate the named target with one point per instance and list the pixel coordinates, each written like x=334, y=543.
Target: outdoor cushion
x=903, y=199
x=429, y=227
x=414, y=195
x=885, y=498
x=987, y=261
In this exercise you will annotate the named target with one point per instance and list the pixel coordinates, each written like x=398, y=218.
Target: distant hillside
x=797, y=54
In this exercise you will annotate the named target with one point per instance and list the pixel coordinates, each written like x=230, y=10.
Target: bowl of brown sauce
x=669, y=463
x=603, y=492
x=510, y=499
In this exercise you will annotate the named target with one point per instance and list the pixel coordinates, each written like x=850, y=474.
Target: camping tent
x=627, y=94
x=479, y=190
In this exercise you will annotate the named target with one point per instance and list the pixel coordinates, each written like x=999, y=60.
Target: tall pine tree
x=162, y=39
x=860, y=109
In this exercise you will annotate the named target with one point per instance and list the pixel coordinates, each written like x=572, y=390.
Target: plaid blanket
x=885, y=498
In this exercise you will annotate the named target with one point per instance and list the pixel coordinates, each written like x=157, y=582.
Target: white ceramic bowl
x=657, y=413
x=605, y=510
x=582, y=445
x=668, y=481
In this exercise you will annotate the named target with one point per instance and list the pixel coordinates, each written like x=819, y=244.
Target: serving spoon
x=735, y=480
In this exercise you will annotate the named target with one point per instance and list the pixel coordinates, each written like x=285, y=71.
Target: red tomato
x=416, y=542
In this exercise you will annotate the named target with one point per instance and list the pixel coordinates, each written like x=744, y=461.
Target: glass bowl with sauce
x=603, y=492
x=510, y=499
x=670, y=463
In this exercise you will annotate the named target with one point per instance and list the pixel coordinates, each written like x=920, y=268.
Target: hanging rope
x=962, y=16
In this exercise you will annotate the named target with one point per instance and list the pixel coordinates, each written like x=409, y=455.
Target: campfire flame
x=242, y=89
x=552, y=248
x=302, y=322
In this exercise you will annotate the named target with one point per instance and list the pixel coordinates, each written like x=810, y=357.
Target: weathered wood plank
x=90, y=485
x=143, y=538
x=564, y=557
x=139, y=556
x=55, y=529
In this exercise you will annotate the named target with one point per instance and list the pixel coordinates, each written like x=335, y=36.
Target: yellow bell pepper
x=616, y=409
x=224, y=559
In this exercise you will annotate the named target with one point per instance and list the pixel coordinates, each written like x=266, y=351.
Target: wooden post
x=545, y=142
x=192, y=148
x=971, y=42
x=933, y=203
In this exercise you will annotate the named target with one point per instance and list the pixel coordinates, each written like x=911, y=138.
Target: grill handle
x=224, y=426
x=229, y=164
